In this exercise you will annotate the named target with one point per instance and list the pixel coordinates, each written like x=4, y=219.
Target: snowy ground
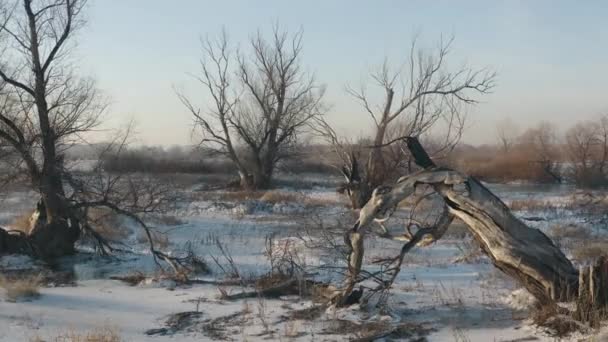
x=435, y=297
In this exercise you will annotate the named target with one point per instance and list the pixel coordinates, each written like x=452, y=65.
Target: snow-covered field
x=438, y=295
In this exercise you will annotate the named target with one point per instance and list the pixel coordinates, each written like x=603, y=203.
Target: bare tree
x=46, y=104
x=507, y=134
x=262, y=98
x=46, y=107
x=419, y=96
x=542, y=143
x=587, y=145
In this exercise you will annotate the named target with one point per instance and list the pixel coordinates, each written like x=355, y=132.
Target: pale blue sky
x=551, y=56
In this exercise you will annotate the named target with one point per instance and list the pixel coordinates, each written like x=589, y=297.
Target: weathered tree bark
x=524, y=253
x=592, y=302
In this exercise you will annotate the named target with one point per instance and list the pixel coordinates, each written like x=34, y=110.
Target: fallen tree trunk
x=522, y=252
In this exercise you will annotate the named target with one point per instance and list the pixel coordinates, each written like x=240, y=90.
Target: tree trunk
x=57, y=229
x=359, y=194
x=592, y=302
x=522, y=252
x=376, y=172
x=54, y=228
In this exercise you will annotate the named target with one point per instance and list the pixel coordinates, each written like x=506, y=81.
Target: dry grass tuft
x=276, y=196
x=104, y=334
x=21, y=289
x=132, y=279
x=556, y=319
x=569, y=235
x=237, y=196
x=569, y=231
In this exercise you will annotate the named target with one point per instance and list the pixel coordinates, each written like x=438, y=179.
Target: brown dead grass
x=569, y=231
x=132, y=279
x=569, y=235
x=276, y=196
x=103, y=334
x=589, y=250
x=22, y=288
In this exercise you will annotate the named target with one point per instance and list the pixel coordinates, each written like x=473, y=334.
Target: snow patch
x=520, y=299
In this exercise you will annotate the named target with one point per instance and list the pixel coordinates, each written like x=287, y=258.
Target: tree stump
x=592, y=302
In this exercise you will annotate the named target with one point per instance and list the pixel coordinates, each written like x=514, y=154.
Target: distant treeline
x=191, y=160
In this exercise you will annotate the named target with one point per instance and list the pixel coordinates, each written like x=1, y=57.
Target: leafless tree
x=262, y=99
x=542, y=143
x=544, y=270
x=507, y=134
x=46, y=107
x=587, y=145
x=420, y=96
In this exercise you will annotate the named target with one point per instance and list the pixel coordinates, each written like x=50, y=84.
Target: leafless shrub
x=228, y=267
x=284, y=258
x=262, y=315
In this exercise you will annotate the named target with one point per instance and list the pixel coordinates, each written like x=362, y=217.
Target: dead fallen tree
x=522, y=252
